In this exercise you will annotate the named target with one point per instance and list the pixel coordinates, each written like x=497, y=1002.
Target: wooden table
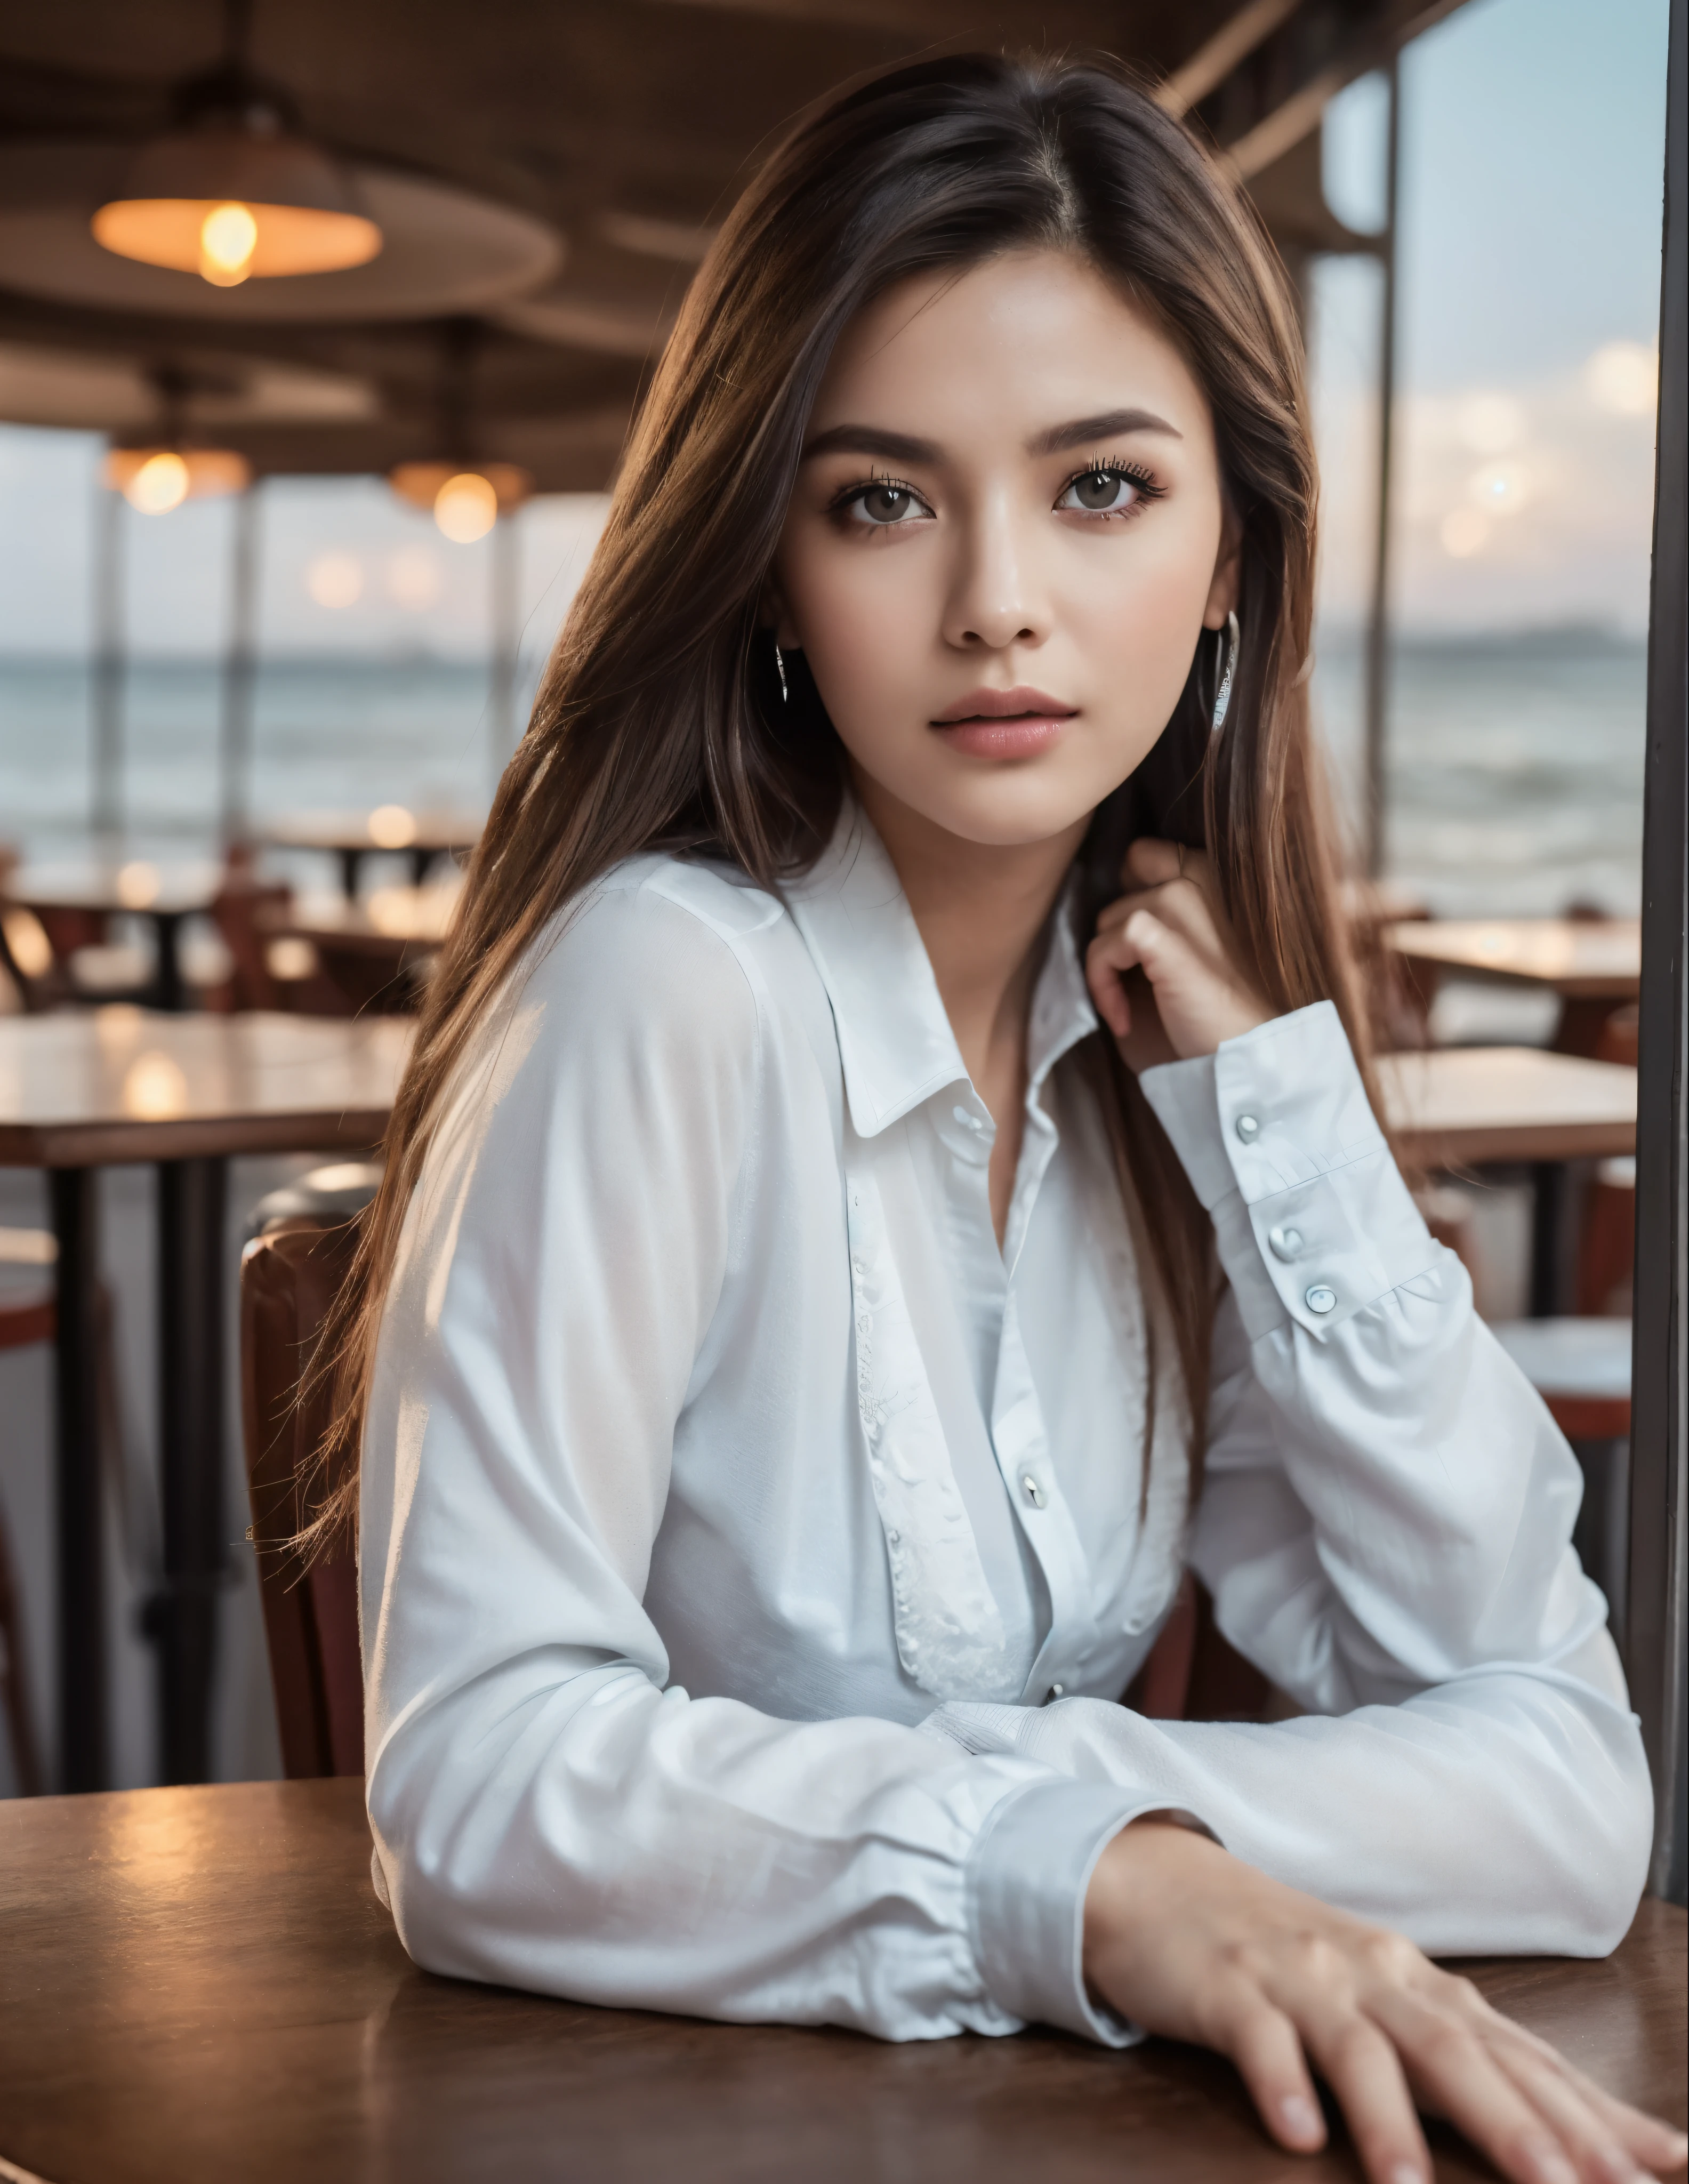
x=165, y=898
x=1464, y=1108
x=366, y=946
x=1595, y=965
x=197, y=1985
x=79, y=1092
x=391, y=829
x=1461, y=1106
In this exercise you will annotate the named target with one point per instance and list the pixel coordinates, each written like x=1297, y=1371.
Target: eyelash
x=1149, y=488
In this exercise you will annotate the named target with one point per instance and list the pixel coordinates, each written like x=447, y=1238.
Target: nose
x=996, y=598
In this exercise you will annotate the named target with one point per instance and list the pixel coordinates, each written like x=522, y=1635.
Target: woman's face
x=1005, y=539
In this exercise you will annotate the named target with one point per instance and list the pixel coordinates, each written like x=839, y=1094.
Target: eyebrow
x=905, y=447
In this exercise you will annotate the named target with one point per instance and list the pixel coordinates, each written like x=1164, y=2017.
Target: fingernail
x=1300, y=2118
x=1406, y=2172
x=1618, y=2164
x=1553, y=2167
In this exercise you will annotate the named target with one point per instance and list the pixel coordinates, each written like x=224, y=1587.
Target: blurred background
x=280, y=561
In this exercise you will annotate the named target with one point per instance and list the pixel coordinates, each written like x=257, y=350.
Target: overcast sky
x=1533, y=141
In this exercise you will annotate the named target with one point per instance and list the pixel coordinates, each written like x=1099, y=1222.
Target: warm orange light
x=467, y=507
x=228, y=238
x=464, y=502
x=225, y=241
x=391, y=826
x=155, y=480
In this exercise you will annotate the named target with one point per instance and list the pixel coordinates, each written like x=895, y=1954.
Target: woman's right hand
x=1187, y=1941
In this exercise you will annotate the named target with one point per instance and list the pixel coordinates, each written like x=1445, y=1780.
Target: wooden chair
x=289, y=1275
x=26, y=1317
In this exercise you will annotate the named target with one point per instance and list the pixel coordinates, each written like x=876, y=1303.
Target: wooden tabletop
x=198, y=1984
x=392, y=919
x=104, y=890
x=1457, y=1106
x=121, y=1083
x=389, y=826
x=1584, y=959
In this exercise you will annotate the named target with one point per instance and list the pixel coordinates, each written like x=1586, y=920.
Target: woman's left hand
x=1171, y=927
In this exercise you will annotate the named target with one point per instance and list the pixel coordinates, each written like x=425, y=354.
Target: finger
x=1610, y=2141
x=1594, y=2151
x=1149, y=862
x=1454, y=2071
x=1104, y=961
x=1262, y=2043
x=1360, y=2065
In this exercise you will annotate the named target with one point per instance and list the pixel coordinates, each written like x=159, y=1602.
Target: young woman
x=798, y=1346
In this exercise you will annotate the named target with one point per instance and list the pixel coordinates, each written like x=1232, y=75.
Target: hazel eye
x=885, y=504
x=1101, y=492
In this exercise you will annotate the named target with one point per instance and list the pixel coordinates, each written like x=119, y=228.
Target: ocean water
x=1515, y=781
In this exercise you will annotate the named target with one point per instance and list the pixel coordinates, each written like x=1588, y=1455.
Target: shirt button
x=1320, y=1298
x=1247, y=1127
x=1058, y=1690
x=1033, y=1491
x=1285, y=1243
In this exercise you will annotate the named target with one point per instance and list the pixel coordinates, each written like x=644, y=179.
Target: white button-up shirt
x=734, y=1509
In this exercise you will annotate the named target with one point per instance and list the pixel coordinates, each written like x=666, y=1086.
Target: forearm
x=1509, y=1811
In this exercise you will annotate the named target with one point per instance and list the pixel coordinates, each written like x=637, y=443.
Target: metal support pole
x=106, y=799
x=1378, y=618
x=507, y=636
x=83, y=1761
x=240, y=669
x=1655, y=1623
x=192, y=1284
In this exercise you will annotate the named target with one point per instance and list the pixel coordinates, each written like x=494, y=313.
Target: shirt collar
x=894, y=1038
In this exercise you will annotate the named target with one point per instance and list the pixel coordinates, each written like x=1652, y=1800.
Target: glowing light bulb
x=159, y=485
x=228, y=235
x=467, y=507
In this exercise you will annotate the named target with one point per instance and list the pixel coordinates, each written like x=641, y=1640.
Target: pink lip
x=1003, y=723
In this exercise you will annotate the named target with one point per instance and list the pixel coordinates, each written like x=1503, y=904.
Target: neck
x=981, y=910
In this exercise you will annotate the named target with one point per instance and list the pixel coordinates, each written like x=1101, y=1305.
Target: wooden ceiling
x=629, y=125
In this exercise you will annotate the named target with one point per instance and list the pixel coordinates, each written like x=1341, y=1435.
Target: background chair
x=290, y=1272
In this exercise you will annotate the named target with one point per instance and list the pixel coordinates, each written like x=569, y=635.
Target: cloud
x=1518, y=504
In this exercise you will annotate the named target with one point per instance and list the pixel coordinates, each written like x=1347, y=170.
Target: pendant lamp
x=465, y=498
x=234, y=190
x=159, y=474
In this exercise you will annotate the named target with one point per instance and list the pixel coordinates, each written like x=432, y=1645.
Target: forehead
x=1030, y=336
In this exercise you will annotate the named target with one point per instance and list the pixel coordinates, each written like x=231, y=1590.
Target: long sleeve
x=1386, y=1528
x=548, y=1809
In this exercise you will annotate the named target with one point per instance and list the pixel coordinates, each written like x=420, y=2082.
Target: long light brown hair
x=659, y=724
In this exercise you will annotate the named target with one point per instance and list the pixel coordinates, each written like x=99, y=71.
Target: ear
x=773, y=613
x=1223, y=590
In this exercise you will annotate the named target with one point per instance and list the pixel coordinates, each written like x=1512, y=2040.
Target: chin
x=1010, y=812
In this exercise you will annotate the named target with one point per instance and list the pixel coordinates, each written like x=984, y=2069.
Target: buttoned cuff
x=1311, y=1218
x=1026, y=1879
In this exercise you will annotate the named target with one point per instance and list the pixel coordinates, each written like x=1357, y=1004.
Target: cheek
x=1140, y=627
x=867, y=617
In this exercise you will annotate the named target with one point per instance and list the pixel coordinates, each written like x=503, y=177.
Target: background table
x=419, y=837
x=1460, y=1106
x=82, y=1091
x=368, y=946
x=197, y=1985
x=1595, y=965
x=165, y=899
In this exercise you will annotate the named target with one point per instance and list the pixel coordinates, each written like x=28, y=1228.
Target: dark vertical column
x=1378, y=617
x=106, y=799
x=240, y=669
x=1655, y=1629
x=507, y=633
x=192, y=1194
x=82, y=1744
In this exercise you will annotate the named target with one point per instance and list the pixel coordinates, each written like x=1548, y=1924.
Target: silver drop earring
x=780, y=670
x=1225, y=667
